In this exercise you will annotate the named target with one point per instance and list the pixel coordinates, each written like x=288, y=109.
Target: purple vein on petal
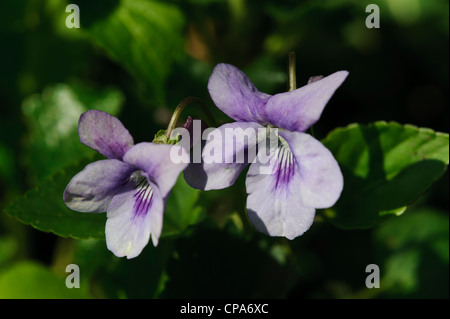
x=143, y=197
x=286, y=164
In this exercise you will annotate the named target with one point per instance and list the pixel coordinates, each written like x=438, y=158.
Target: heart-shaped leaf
x=386, y=167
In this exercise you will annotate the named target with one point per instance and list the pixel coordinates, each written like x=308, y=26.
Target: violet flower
x=305, y=177
x=132, y=185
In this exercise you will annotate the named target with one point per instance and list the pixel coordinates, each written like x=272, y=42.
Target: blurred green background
x=137, y=60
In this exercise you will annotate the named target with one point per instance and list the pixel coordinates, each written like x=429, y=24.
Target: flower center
x=144, y=194
x=285, y=164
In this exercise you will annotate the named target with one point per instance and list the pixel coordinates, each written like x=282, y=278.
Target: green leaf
x=44, y=209
x=30, y=280
x=386, y=167
x=414, y=253
x=181, y=209
x=52, y=118
x=144, y=37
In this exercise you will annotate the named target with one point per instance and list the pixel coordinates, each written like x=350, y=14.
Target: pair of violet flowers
x=133, y=184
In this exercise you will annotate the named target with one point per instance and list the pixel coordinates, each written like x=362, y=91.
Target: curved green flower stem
x=179, y=109
x=292, y=76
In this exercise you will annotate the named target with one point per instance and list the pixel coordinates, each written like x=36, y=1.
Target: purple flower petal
x=273, y=203
x=135, y=213
x=300, y=109
x=104, y=133
x=305, y=176
x=160, y=163
x=224, y=156
x=92, y=189
x=234, y=93
x=319, y=174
